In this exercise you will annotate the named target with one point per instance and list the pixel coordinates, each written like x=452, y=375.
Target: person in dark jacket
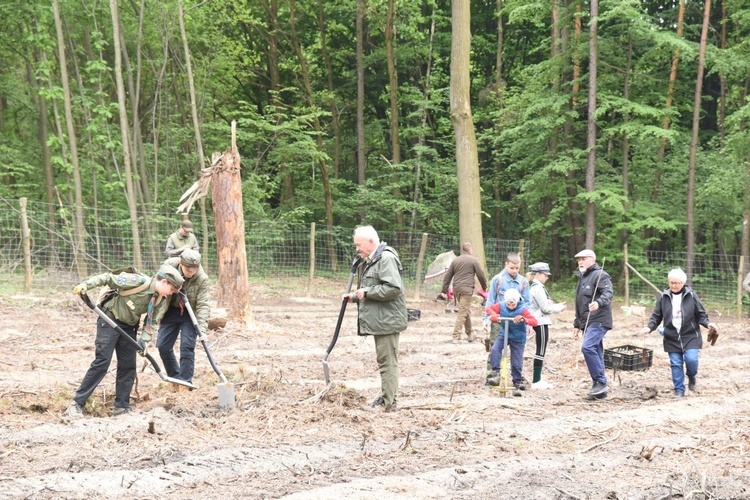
x=682, y=314
x=593, y=317
x=462, y=272
x=381, y=306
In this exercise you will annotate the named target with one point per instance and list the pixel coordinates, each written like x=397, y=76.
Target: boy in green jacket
x=137, y=294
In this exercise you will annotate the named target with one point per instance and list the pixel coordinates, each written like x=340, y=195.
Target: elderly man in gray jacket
x=381, y=306
x=463, y=271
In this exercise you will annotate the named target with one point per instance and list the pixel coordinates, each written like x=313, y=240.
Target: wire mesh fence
x=298, y=252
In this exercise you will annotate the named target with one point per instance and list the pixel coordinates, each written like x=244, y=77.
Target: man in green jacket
x=381, y=305
x=181, y=239
x=177, y=320
x=137, y=294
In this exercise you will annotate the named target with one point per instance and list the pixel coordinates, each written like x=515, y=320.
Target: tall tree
x=390, y=28
x=361, y=147
x=467, y=159
x=694, y=143
x=591, y=124
x=80, y=246
x=125, y=136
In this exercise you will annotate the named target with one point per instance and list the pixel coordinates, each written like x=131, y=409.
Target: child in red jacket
x=521, y=317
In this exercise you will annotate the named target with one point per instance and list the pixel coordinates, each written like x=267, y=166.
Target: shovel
x=226, y=388
x=344, y=301
x=86, y=300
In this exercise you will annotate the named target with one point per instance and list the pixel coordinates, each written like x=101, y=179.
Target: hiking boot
x=379, y=401
x=678, y=394
x=598, y=388
x=494, y=379
x=521, y=386
x=120, y=411
x=74, y=410
x=692, y=384
x=470, y=337
x=456, y=341
x=517, y=392
x=393, y=408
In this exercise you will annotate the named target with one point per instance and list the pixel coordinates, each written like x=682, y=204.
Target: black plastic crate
x=628, y=358
x=413, y=314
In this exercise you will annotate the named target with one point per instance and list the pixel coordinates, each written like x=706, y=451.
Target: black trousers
x=108, y=342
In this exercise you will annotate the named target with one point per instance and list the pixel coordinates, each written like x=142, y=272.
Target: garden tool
x=226, y=388
x=86, y=300
x=504, y=387
x=344, y=301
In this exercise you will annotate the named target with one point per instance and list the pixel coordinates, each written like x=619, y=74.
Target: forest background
x=632, y=129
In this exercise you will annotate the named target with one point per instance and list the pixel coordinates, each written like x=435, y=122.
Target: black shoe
x=379, y=401
x=678, y=394
x=692, y=384
x=521, y=386
x=494, y=379
x=598, y=397
x=517, y=392
x=597, y=389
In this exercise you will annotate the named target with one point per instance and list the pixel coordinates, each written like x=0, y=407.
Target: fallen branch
x=567, y=493
x=601, y=443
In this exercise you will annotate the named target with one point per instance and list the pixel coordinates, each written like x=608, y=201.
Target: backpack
x=106, y=294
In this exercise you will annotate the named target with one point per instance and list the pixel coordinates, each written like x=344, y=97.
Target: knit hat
x=512, y=295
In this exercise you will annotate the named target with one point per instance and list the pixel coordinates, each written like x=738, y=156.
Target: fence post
x=739, y=287
x=627, y=274
x=311, y=273
x=521, y=246
x=420, y=262
x=26, y=236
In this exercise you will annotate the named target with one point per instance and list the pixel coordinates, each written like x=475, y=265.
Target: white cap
x=585, y=253
x=512, y=295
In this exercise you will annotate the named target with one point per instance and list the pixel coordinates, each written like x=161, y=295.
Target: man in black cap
x=181, y=239
x=177, y=320
x=593, y=317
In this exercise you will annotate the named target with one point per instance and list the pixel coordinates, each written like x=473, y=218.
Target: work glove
x=713, y=334
x=494, y=317
x=80, y=289
x=143, y=343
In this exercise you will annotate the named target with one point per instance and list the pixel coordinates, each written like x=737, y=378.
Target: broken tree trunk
x=230, y=234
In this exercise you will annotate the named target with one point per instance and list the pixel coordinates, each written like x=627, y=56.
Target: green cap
x=190, y=257
x=171, y=274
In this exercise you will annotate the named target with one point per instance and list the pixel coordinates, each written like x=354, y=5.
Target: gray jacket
x=383, y=309
x=541, y=305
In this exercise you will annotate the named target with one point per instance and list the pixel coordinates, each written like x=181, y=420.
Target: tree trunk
x=79, y=249
x=591, y=125
x=331, y=91
x=722, y=76
x=626, y=142
x=694, y=144
x=467, y=160
x=393, y=93
x=499, y=49
x=361, y=153
x=122, y=107
x=231, y=256
x=196, y=122
x=670, y=97
x=307, y=87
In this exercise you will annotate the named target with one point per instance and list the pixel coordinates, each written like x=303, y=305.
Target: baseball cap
x=585, y=253
x=187, y=226
x=171, y=274
x=540, y=267
x=512, y=295
x=190, y=257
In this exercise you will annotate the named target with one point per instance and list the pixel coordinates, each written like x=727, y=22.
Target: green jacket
x=128, y=309
x=197, y=293
x=176, y=243
x=383, y=310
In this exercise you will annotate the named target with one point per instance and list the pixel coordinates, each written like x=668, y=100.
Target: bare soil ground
x=452, y=438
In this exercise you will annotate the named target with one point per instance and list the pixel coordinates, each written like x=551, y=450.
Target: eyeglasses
x=675, y=283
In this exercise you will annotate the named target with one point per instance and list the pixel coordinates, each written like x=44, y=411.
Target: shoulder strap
x=133, y=291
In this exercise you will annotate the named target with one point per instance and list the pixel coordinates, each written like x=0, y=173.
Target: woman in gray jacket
x=541, y=307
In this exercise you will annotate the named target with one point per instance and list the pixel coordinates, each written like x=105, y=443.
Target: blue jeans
x=516, y=357
x=676, y=360
x=171, y=325
x=593, y=352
